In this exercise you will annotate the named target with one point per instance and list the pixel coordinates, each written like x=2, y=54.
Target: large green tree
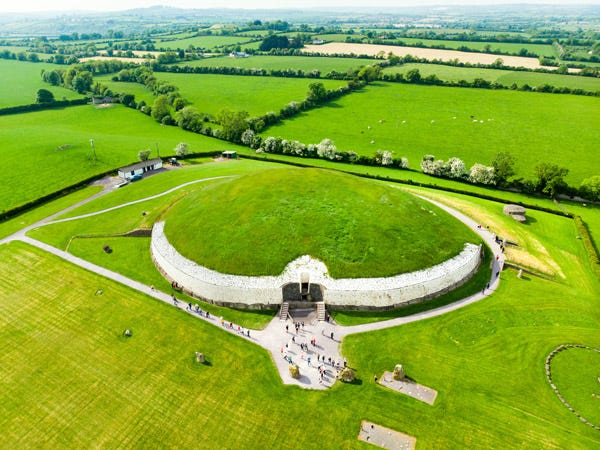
x=44, y=96
x=161, y=108
x=549, y=179
x=233, y=124
x=503, y=165
x=82, y=82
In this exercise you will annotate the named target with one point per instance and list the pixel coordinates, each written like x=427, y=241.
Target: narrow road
x=275, y=337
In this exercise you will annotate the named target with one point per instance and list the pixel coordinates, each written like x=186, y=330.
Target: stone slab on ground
x=409, y=387
x=383, y=437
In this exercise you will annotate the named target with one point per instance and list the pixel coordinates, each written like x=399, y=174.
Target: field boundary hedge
x=588, y=244
x=41, y=106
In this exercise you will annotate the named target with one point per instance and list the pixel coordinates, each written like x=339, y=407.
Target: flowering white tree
x=404, y=163
x=481, y=174
x=269, y=144
x=386, y=158
x=247, y=137
x=326, y=149
x=456, y=168
x=427, y=164
x=182, y=150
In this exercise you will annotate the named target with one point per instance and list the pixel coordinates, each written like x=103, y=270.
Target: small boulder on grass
x=347, y=375
x=294, y=370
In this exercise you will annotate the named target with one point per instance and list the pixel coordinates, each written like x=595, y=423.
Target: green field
x=354, y=226
x=257, y=95
x=20, y=81
x=504, y=77
x=533, y=127
x=53, y=151
x=267, y=62
x=125, y=87
x=202, y=42
x=70, y=379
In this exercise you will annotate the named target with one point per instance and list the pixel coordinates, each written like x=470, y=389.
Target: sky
x=118, y=5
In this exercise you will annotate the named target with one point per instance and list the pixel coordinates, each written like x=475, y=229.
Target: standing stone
x=520, y=274
x=294, y=370
x=399, y=372
x=200, y=358
x=347, y=375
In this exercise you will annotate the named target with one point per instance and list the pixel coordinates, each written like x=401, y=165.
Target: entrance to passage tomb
x=304, y=291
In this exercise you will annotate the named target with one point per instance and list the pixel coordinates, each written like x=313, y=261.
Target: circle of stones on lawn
x=549, y=358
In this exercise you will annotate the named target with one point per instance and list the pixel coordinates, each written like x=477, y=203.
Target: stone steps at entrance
x=321, y=311
x=283, y=314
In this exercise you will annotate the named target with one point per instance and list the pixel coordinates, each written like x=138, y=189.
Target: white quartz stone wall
x=266, y=291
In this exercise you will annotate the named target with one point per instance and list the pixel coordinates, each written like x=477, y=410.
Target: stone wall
x=351, y=293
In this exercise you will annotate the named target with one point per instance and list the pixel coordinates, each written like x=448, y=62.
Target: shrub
x=182, y=150
x=143, y=155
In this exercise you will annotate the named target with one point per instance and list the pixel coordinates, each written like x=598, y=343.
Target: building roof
x=140, y=165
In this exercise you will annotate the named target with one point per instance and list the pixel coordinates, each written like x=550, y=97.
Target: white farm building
x=128, y=172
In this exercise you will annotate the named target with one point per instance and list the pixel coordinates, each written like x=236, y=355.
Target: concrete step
x=321, y=311
x=283, y=313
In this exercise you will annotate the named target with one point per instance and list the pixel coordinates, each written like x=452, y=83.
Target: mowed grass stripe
x=99, y=373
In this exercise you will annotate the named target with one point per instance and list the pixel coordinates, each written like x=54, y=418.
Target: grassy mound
x=256, y=224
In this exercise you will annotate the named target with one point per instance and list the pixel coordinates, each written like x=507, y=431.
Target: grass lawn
x=534, y=127
x=268, y=62
x=167, y=180
x=20, y=81
x=30, y=217
x=70, y=380
x=505, y=77
x=131, y=257
x=257, y=224
x=51, y=149
x=257, y=95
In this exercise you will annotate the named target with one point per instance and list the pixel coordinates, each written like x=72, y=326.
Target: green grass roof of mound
x=256, y=224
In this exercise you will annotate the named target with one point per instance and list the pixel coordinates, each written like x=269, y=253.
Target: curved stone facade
x=348, y=293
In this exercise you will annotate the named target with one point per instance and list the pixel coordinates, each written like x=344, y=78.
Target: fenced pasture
x=472, y=124
x=257, y=95
x=20, y=81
